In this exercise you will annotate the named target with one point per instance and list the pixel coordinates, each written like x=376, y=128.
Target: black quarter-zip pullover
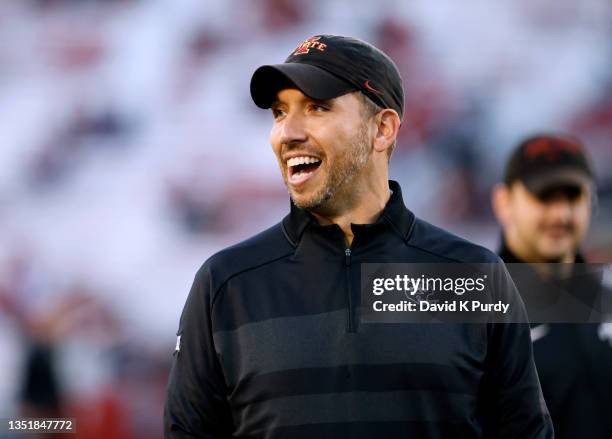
x=271, y=344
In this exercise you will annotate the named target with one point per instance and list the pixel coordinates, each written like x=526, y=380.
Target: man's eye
x=318, y=108
x=277, y=112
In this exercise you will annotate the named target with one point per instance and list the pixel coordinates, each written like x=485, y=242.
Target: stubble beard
x=340, y=176
x=556, y=255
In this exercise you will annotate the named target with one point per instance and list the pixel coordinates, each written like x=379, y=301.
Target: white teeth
x=303, y=160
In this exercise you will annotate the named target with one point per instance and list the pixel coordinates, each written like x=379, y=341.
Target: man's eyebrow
x=328, y=102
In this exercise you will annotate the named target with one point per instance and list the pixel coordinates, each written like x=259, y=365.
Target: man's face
x=322, y=148
x=549, y=227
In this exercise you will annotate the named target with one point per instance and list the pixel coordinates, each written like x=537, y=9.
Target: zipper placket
x=347, y=266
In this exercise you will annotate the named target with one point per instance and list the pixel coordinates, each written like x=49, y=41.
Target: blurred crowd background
x=130, y=151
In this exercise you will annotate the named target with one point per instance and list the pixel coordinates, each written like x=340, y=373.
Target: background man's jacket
x=574, y=365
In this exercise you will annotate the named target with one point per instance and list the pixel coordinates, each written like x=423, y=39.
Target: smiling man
x=272, y=344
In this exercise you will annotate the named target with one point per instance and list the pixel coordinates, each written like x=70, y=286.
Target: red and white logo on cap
x=551, y=149
x=310, y=43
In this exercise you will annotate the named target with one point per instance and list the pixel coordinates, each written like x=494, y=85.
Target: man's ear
x=500, y=202
x=387, y=127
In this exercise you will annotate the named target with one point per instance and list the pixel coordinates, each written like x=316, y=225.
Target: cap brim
x=553, y=179
x=313, y=81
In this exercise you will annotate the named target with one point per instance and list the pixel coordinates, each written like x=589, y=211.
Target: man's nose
x=560, y=209
x=293, y=129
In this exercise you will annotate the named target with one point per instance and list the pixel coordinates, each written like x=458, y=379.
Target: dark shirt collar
x=505, y=254
x=510, y=258
x=395, y=214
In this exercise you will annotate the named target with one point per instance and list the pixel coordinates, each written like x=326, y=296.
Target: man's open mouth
x=300, y=169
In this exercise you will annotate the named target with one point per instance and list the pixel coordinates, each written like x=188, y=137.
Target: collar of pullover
x=395, y=215
x=508, y=257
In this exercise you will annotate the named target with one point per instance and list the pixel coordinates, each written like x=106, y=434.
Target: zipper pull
x=347, y=254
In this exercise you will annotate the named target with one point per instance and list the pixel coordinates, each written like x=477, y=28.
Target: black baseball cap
x=327, y=66
x=549, y=161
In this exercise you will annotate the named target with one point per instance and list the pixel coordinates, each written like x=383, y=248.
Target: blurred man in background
x=271, y=343
x=544, y=207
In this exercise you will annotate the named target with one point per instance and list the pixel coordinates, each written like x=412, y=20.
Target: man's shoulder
x=447, y=246
x=256, y=251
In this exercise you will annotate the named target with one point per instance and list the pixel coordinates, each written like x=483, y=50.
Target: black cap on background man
x=548, y=162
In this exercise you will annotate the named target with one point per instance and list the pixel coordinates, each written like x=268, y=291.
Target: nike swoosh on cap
x=369, y=87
